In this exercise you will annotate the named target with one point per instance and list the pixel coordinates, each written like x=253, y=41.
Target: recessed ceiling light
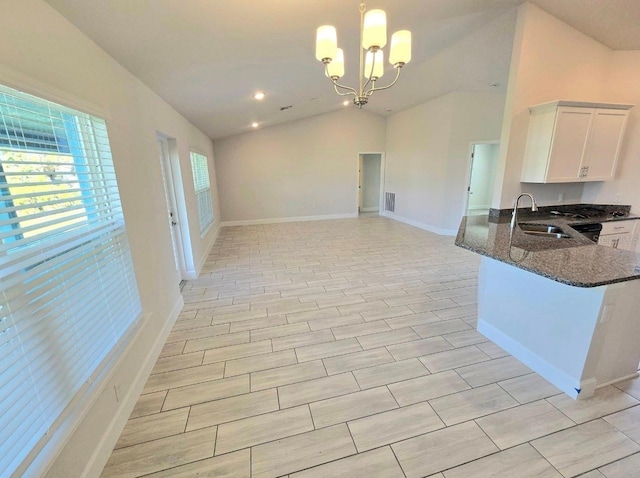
x=259, y=95
x=254, y=124
x=345, y=102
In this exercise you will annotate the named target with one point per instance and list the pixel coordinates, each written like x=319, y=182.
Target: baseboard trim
x=564, y=382
x=419, y=225
x=112, y=432
x=369, y=209
x=278, y=220
x=192, y=275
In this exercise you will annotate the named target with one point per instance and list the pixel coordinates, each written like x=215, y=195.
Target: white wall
x=428, y=151
x=371, y=182
x=485, y=160
x=550, y=61
x=307, y=168
x=44, y=54
x=623, y=86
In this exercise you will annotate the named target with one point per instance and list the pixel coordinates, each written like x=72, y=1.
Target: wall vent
x=390, y=202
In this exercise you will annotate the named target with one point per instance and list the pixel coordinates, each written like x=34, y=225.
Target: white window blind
x=68, y=292
x=201, y=183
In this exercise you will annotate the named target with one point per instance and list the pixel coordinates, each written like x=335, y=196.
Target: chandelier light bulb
x=335, y=69
x=400, y=53
x=326, y=43
x=375, y=29
x=374, y=65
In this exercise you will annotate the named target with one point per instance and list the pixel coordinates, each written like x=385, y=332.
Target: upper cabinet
x=570, y=141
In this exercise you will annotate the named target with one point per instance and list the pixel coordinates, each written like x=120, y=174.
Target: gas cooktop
x=586, y=212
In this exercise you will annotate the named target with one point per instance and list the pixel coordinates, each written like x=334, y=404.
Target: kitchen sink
x=544, y=230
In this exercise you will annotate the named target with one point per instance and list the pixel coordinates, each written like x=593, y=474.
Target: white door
x=172, y=210
x=483, y=170
x=360, y=183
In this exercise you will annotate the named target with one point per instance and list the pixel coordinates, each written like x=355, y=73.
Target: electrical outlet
x=118, y=391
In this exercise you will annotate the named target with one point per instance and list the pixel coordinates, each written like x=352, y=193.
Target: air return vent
x=390, y=202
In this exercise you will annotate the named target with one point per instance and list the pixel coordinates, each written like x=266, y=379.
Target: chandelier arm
x=350, y=91
x=370, y=91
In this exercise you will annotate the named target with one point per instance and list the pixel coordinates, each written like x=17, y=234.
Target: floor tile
x=352, y=406
x=631, y=387
x=262, y=428
x=301, y=451
x=393, y=426
x=152, y=427
x=205, y=392
x=279, y=331
x=237, y=351
x=177, y=362
x=524, y=423
x=231, y=465
x=357, y=360
x=329, y=349
x=432, y=305
x=585, y=447
x=522, y=462
x=419, y=347
x=440, y=328
x=492, y=350
x=389, y=373
x=174, y=348
x=195, y=345
x=451, y=359
x=465, y=338
x=425, y=388
x=386, y=313
x=199, y=333
x=233, y=408
x=626, y=468
x=317, y=389
x=299, y=340
x=325, y=313
x=606, y=400
x=442, y=449
x=148, y=404
x=375, y=463
x=180, y=378
x=349, y=331
x=627, y=421
x=387, y=338
x=330, y=322
x=265, y=362
x=484, y=373
x=413, y=319
x=260, y=323
x=160, y=454
x=470, y=404
x=276, y=377
x=529, y=388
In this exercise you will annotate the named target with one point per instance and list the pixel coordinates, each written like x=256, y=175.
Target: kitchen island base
x=578, y=338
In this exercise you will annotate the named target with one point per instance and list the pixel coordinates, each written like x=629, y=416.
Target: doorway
x=173, y=218
x=482, y=176
x=370, y=182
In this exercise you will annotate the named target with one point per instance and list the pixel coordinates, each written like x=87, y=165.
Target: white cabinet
x=571, y=141
x=619, y=234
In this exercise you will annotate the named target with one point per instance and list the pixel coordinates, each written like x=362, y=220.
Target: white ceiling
x=207, y=57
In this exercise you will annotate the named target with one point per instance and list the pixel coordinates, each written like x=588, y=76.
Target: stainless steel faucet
x=514, y=215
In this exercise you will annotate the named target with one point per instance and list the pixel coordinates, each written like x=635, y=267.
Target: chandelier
x=373, y=38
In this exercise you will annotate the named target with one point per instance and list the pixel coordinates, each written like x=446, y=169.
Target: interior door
x=172, y=210
x=359, y=182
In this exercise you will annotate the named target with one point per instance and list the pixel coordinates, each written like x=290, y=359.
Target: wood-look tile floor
x=347, y=349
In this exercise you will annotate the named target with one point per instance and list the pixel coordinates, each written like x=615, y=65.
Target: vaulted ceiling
x=207, y=58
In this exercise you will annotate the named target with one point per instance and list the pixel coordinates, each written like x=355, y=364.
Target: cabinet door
x=603, y=146
x=617, y=241
x=568, y=145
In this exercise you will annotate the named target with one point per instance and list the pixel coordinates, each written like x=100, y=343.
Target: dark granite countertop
x=576, y=261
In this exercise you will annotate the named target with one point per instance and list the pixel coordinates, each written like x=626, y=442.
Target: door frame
x=171, y=189
x=472, y=144
x=382, y=176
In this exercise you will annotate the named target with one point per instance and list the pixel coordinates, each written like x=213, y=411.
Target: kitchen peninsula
x=566, y=307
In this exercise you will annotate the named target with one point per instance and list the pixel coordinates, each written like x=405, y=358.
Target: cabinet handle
x=618, y=227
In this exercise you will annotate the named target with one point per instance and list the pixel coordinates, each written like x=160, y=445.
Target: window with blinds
x=68, y=293
x=200, y=170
